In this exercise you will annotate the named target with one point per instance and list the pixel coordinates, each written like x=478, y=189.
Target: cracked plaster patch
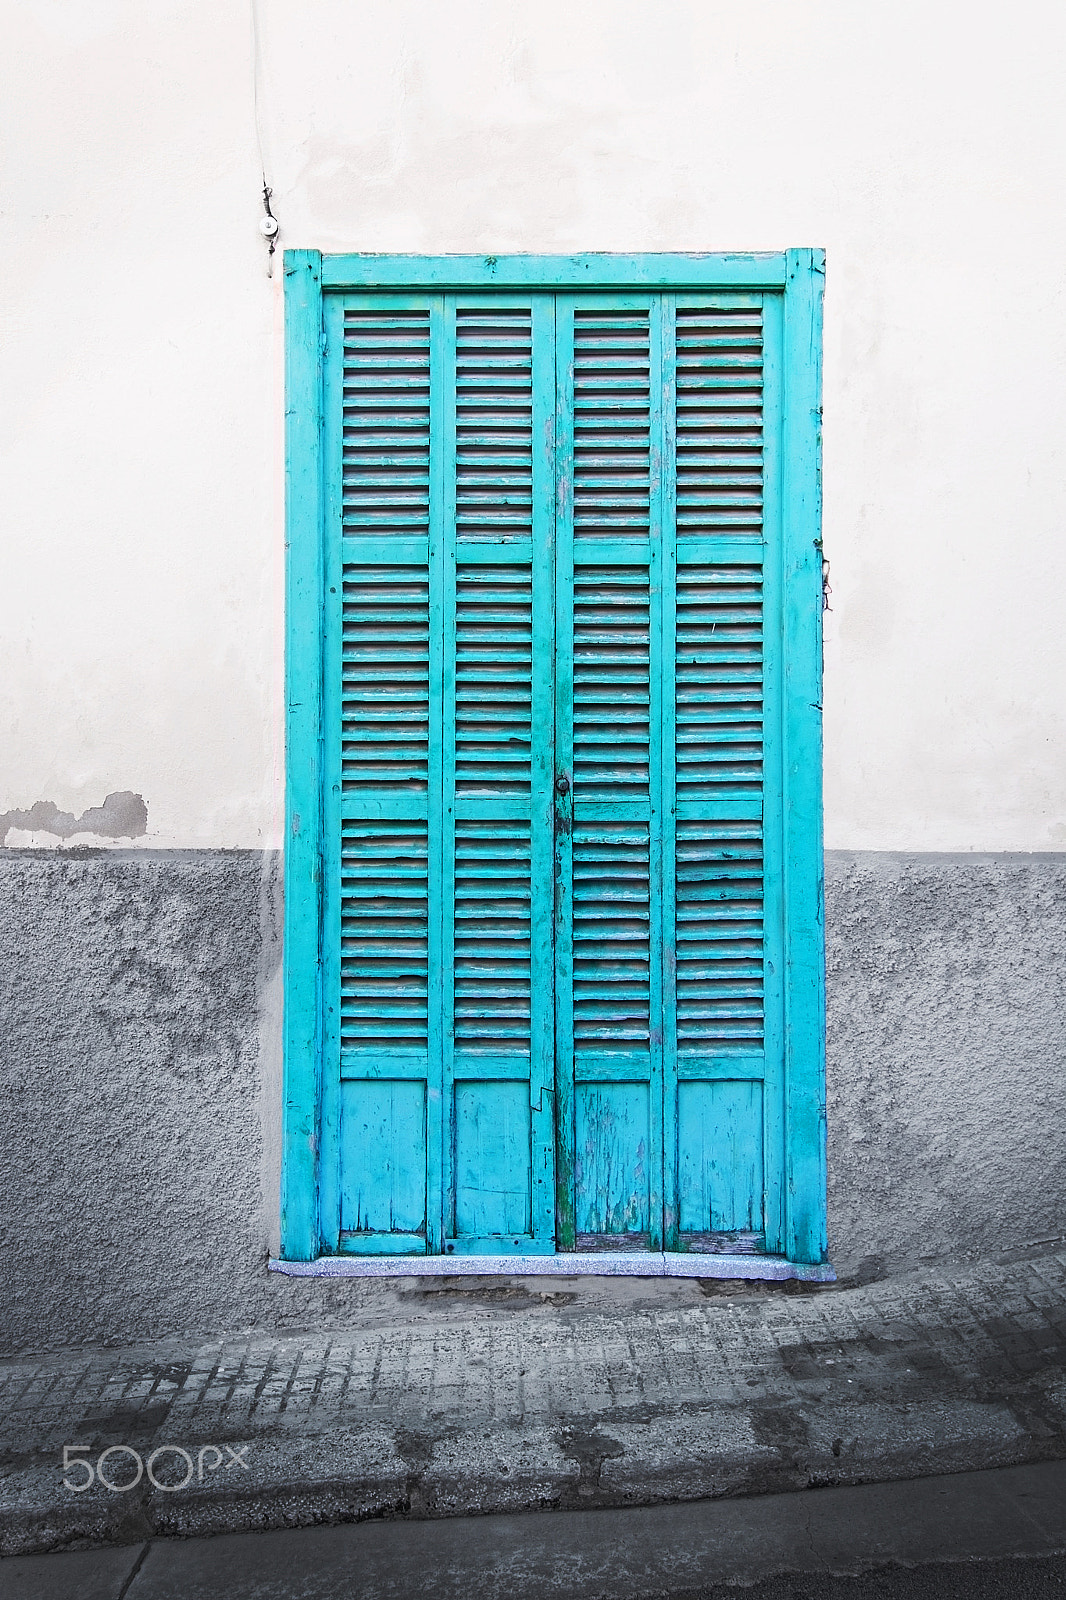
x=123, y=815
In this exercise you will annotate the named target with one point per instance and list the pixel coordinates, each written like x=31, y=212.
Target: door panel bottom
x=493, y=1245
x=724, y=1244
x=383, y=1244
x=611, y=1243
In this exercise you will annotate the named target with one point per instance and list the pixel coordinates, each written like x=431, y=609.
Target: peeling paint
x=123, y=815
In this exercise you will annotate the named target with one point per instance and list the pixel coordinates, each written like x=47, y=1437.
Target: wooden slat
x=611, y=938
x=739, y=1065
x=611, y=684
x=719, y=661
x=492, y=938
x=719, y=420
x=611, y=408
x=494, y=421
x=386, y=417
x=719, y=934
x=382, y=1062
x=389, y=1243
x=493, y=680
x=384, y=935
x=385, y=670
x=613, y=1066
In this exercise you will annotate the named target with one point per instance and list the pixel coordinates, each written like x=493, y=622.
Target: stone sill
x=605, y=1264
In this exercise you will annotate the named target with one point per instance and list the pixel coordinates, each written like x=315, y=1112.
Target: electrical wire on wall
x=268, y=226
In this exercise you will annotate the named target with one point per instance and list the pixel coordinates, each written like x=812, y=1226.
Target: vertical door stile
x=442, y=558
x=801, y=721
x=333, y=583
x=660, y=604
x=566, y=1234
x=305, y=850
x=666, y=804
x=542, y=774
x=773, y=782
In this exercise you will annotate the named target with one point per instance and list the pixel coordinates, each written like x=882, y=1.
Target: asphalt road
x=1023, y=1578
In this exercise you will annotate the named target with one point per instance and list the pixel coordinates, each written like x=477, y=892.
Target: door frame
x=798, y=276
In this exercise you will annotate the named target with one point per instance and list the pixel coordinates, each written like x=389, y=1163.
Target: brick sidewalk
x=446, y=1397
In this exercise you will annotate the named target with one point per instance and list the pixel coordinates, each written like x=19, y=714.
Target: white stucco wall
x=140, y=381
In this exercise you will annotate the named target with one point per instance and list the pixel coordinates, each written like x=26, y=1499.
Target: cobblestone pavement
x=447, y=1396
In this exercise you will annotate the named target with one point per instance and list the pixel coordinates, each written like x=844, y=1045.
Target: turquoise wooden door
x=552, y=930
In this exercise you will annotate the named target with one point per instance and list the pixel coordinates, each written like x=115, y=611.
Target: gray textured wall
x=139, y=1026
x=132, y=1154
x=946, y=1054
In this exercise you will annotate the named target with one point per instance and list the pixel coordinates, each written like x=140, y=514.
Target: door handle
x=564, y=805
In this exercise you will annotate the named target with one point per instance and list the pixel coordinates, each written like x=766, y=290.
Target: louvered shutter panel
x=438, y=888
x=497, y=892
x=662, y=950
x=714, y=761
x=383, y=709
x=609, y=944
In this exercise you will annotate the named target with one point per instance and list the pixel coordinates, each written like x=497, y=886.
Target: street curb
x=579, y=1481
x=992, y=1519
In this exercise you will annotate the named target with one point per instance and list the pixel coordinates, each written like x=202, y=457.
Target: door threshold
x=601, y=1264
